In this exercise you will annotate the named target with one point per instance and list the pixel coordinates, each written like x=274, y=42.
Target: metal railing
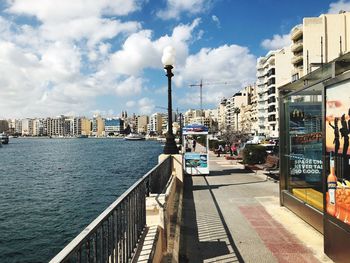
x=114, y=235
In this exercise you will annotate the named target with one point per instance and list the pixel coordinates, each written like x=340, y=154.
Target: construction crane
x=200, y=85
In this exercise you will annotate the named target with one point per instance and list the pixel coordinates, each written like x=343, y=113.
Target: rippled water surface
x=50, y=189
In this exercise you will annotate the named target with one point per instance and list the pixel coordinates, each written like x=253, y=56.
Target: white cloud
x=145, y=106
x=45, y=69
x=51, y=11
x=130, y=103
x=224, y=71
x=341, y=5
x=130, y=86
x=174, y=8
x=276, y=42
x=139, y=51
x=216, y=20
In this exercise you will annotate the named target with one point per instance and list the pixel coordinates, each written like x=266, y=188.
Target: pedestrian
x=194, y=145
x=234, y=149
x=220, y=150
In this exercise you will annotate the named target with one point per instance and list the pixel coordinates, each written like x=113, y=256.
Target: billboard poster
x=195, y=160
x=337, y=129
x=338, y=119
x=306, y=142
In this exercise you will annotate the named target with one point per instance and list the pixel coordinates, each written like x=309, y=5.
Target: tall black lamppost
x=168, y=60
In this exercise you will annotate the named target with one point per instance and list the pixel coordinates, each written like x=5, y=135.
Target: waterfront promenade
x=233, y=215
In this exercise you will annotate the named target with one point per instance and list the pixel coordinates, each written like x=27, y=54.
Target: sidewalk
x=233, y=215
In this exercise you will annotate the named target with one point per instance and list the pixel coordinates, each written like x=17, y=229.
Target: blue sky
x=86, y=56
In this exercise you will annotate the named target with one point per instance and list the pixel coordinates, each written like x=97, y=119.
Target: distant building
x=98, y=126
x=155, y=123
x=38, y=127
x=27, y=127
x=142, y=122
x=18, y=127
x=57, y=126
x=114, y=126
x=248, y=111
x=222, y=114
x=86, y=126
x=4, y=126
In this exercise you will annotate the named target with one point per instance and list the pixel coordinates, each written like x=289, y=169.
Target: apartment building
x=113, y=126
x=155, y=123
x=38, y=127
x=27, y=127
x=248, y=110
x=319, y=40
x=222, y=114
x=57, y=126
x=273, y=71
x=98, y=126
x=86, y=126
x=141, y=123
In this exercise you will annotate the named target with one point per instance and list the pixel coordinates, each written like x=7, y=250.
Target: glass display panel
x=303, y=119
x=337, y=151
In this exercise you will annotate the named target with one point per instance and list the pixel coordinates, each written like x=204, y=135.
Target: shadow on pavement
x=216, y=186
x=193, y=226
x=189, y=242
x=230, y=171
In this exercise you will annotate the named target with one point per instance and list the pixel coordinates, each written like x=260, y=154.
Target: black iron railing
x=114, y=235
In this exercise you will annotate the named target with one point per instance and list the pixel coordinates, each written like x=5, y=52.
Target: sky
x=85, y=57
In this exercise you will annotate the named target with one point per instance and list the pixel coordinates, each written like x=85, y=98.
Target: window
x=303, y=115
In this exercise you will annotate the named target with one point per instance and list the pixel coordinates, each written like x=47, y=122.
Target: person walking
x=233, y=149
x=220, y=150
x=194, y=145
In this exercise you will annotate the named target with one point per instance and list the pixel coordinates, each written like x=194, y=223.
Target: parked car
x=256, y=140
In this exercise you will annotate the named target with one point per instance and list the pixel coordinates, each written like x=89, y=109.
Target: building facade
x=98, y=126
x=319, y=40
x=155, y=124
x=114, y=126
x=142, y=122
x=4, y=126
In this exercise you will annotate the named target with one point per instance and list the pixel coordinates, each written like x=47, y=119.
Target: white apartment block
x=155, y=123
x=38, y=127
x=273, y=71
x=319, y=40
x=27, y=127
x=57, y=126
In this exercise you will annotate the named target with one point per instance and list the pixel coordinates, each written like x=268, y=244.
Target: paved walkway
x=233, y=215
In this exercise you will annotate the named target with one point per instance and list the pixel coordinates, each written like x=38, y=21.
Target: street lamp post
x=168, y=60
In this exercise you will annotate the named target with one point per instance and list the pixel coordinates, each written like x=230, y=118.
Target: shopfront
x=314, y=153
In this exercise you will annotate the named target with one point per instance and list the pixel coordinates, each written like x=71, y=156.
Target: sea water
x=50, y=189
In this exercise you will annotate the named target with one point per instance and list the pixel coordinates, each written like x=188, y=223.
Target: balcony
x=297, y=58
x=297, y=46
x=272, y=118
x=271, y=72
x=297, y=33
x=271, y=99
x=271, y=109
x=271, y=90
x=271, y=81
